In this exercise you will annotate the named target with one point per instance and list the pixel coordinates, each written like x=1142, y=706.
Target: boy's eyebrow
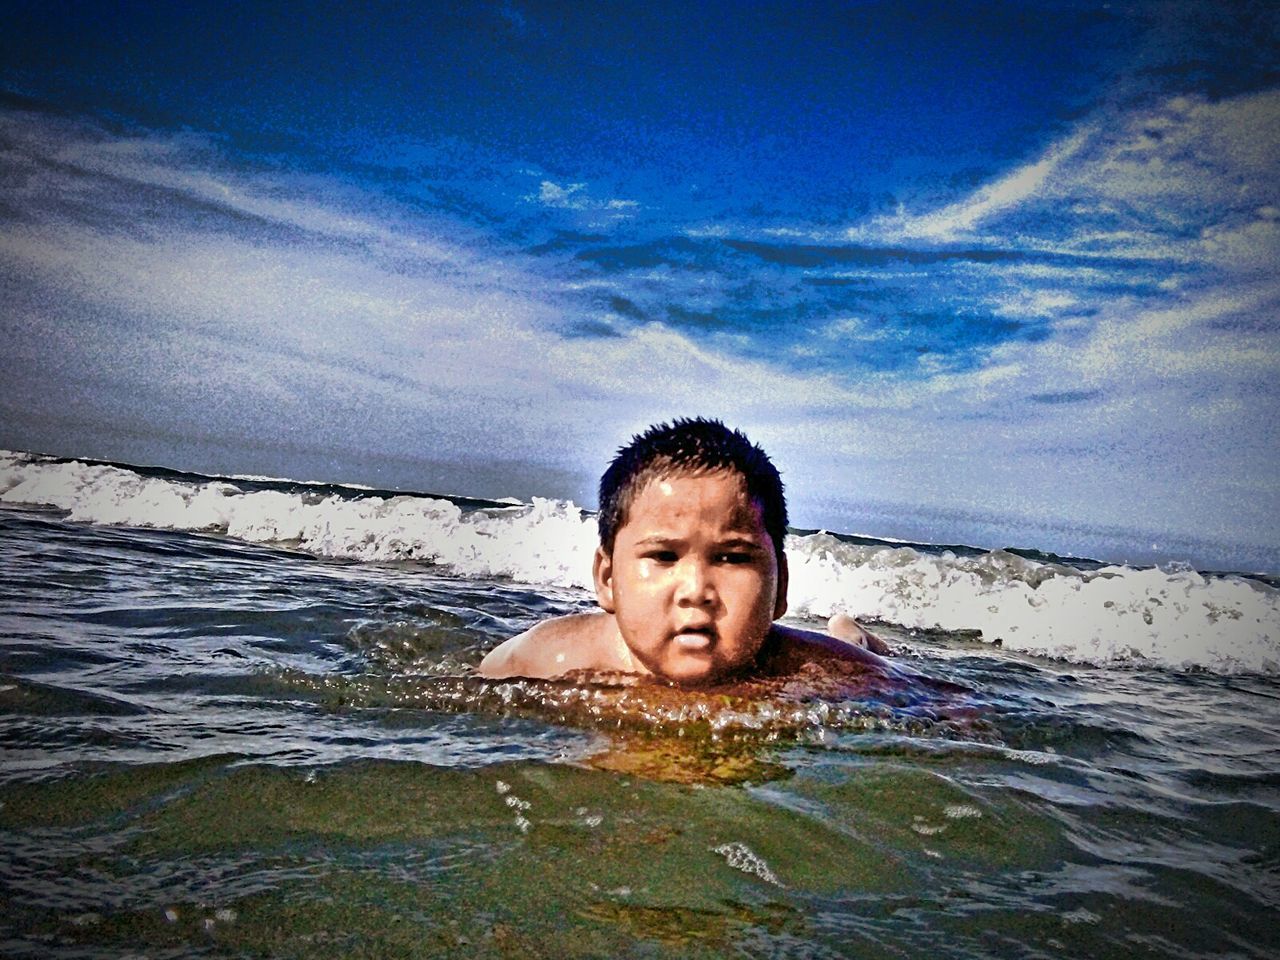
x=739, y=540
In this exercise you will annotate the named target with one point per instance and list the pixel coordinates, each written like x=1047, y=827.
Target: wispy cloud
x=154, y=285
x=575, y=197
x=958, y=221
x=1185, y=178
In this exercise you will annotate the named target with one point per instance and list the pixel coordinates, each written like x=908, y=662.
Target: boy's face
x=693, y=581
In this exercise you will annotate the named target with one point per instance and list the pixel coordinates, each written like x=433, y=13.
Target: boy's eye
x=734, y=556
x=661, y=556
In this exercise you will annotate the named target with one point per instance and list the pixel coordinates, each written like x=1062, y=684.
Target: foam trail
x=1176, y=618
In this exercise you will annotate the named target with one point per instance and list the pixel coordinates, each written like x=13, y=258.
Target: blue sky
x=993, y=273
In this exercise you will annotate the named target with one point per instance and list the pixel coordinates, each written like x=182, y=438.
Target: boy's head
x=690, y=447
x=690, y=563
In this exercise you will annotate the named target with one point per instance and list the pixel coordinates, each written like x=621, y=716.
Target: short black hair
x=690, y=446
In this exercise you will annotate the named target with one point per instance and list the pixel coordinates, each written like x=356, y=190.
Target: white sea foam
x=544, y=542
x=1176, y=618
x=1169, y=618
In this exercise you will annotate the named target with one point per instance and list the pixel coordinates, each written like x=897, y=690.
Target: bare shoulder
x=847, y=640
x=552, y=648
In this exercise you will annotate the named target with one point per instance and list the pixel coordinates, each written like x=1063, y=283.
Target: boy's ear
x=602, y=573
x=780, y=604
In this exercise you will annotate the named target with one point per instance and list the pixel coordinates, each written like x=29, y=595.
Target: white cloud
x=340, y=323
x=1034, y=303
x=854, y=329
x=1186, y=178
x=574, y=196
x=553, y=195
x=959, y=220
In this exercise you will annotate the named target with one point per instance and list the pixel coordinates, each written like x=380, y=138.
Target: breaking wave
x=1169, y=617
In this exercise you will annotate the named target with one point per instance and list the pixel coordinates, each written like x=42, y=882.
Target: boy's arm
x=845, y=639
x=504, y=659
x=550, y=649
x=844, y=627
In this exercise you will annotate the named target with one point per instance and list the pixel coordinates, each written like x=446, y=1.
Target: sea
x=239, y=718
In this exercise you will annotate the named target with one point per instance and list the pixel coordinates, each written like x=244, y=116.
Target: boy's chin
x=688, y=678
x=694, y=673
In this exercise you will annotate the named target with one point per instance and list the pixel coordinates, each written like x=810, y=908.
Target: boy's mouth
x=693, y=639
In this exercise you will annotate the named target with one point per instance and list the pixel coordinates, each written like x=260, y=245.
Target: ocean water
x=238, y=718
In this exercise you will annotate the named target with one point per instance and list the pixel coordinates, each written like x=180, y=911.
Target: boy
x=690, y=572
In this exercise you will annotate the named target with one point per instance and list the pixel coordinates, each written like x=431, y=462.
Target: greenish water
x=217, y=749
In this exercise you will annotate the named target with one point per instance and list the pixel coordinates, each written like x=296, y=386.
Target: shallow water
x=218, y=747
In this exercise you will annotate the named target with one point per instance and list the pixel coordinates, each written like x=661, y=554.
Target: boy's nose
x=693, y=584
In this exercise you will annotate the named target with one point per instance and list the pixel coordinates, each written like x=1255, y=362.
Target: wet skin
x=693, y=581
x=688, y=595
